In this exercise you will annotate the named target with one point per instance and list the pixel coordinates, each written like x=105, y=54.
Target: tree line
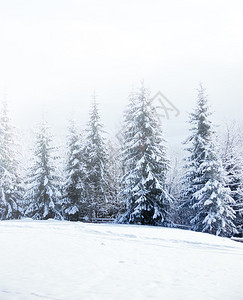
x=134, y=183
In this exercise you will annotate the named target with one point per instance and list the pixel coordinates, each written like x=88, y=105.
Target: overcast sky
x=55, y=53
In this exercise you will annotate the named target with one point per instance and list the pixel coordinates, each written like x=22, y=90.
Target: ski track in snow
x=66, y=260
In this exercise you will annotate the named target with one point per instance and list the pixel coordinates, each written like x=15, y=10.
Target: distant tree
x=97, y=189
x=11, y=187
x=232, y=156
x=207, y=203
x=43, y=191
x=175, y=186
x=114, y=204
x=73, y=204
x=145, y=165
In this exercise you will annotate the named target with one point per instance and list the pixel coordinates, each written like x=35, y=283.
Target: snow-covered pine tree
x=114, y=169
x=43, y=191
x=145, y=165
x=73, y=198
x=233, y=164
x=97, y=190
x=174, y=184
x=11, y=187
x=206, y=198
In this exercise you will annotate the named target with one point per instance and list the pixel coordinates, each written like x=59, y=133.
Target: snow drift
x=67, y=260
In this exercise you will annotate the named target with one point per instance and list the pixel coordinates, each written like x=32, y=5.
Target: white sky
x=54, y=53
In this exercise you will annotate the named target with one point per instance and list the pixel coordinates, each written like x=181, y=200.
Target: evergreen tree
x=43, y=191
x=75, y=174
x=174, y=183
x=114, y=204
x=207, y=201
x=97, y=190
x=233, y=164
x=11, y=188
x=145, y=165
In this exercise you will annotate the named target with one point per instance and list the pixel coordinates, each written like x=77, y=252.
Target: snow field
x=65, y=260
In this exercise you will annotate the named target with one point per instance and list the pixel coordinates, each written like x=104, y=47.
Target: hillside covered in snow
x=67, y=260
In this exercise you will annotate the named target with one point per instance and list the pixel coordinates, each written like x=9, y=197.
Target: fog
x=54, y=54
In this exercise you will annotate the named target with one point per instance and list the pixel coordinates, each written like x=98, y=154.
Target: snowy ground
x=63, y=260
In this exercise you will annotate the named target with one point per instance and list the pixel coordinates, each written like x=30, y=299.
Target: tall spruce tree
x=11, y=187
x=206, y=200
x=97, y=190
x=73, y=204
x=145, y=165
x=43, y=192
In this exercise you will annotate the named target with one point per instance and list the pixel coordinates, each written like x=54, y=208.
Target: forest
x=131, y=182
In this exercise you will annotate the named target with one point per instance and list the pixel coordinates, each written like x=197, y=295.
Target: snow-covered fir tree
x=73, y=197
x=114, y=169
x=43, y=191
x=233, y=163
x=145, y=165
x=207, y=201
x=174, y=183
x=97, y=190
x=11, y=187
